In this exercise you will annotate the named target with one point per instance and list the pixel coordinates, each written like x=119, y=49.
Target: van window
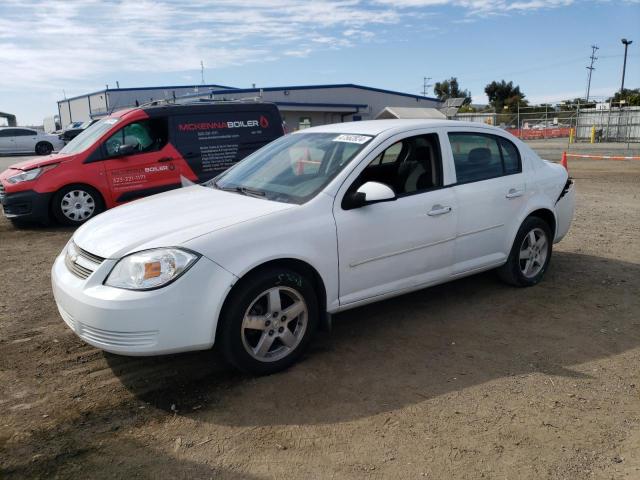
x=145, y=135
x=89, y=136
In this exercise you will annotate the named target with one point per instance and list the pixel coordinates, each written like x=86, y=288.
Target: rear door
x=149, y=169
x=491, y=193
x=212, y=141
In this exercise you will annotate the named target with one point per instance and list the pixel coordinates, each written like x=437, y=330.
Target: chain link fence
x=599, y=122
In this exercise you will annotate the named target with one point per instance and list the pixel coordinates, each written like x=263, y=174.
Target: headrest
x=479, y=156
x=423, y=156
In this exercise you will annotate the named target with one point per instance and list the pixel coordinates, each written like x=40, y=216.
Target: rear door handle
x=438, y=210
x=513, y=193
x=165, y=159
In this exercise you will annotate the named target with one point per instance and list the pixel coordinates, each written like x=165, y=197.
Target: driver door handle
x=513, y=193
x=165, y=159
x=438, y=210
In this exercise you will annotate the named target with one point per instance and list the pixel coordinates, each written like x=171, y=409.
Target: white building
x=301, y=106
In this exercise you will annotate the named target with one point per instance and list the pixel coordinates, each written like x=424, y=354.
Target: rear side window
x=510, y=156
x=213, y=142
x=481, y=157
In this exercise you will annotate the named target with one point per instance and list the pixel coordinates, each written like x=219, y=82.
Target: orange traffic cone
x=563, y=162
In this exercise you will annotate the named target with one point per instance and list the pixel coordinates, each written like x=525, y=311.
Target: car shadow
x=399, y=352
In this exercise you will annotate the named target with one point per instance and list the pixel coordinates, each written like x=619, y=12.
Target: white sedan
x=316, y=222
x=28, y=140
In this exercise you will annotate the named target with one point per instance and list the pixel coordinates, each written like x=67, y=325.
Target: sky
x=49, y=49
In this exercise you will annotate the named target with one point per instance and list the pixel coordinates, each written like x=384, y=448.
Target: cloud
x=61, y=42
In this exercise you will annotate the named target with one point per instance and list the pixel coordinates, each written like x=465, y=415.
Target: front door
x=152, y=166
x=401, y=244
x=8, y=140
x=490, y=192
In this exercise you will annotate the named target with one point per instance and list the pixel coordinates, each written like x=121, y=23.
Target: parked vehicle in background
x=134, y=153
x=28, y=140
x=319, y=221
x=72, y=132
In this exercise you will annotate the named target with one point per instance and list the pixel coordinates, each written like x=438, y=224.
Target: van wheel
x=530, y=254
x=268, y=321
x=75, y=204
x=44, y=148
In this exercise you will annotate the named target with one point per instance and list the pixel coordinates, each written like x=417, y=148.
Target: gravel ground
x=473, y=379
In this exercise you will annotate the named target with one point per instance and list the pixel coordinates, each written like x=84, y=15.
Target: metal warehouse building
x=300, y=105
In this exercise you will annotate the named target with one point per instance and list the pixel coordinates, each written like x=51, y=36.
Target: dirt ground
x=468, y=380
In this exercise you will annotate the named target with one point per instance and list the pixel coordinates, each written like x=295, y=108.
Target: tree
x=502, y=94
x=451, y=89
x=631, y=97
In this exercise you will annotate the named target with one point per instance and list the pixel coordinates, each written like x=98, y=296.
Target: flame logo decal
x=264, y=123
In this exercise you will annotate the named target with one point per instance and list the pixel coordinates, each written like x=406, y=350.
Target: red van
x=134, y=153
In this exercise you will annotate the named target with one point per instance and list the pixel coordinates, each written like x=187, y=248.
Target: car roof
x=376, y=127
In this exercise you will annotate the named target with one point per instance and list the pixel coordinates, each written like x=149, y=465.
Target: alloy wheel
x=274, y=324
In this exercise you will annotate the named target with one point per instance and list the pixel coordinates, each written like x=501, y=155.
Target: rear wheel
x=530, y=254
x=44, y=148
x=75, y=204
x=268, y=321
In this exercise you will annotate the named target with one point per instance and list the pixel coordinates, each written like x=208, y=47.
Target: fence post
x=593, y=134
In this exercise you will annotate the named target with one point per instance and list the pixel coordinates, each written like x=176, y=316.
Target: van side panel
x=212, y=142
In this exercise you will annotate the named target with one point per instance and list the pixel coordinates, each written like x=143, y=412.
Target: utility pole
x=202, y=72
x=626, y=44
x=591, y=68
x=425, y=86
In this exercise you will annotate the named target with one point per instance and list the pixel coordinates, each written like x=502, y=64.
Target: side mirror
x=126, y=149
x=370, y=192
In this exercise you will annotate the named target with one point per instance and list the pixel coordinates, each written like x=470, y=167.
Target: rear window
x=213, y=142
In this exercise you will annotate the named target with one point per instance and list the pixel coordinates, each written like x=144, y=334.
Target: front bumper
x=26, y=205
x=179, y=317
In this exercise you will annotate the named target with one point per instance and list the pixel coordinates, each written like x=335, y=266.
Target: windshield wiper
x=242, y=190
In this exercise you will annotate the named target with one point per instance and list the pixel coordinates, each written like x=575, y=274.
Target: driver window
x=412, y=165
x=145, y=136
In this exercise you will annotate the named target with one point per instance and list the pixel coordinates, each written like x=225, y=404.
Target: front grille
x=2, y=192
x=80, y=262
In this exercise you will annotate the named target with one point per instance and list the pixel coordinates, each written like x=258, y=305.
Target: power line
x=591, y=68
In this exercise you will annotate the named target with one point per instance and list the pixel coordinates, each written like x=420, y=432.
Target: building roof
x=224, y=90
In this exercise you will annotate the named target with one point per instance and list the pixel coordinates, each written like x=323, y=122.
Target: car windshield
x=294, y=168
x=89, y=136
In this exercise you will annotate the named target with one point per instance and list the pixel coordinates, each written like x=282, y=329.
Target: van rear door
x=212, y=141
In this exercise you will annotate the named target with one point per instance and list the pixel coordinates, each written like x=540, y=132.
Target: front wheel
x=268, y=321
x=530, y=254
x=75, y=204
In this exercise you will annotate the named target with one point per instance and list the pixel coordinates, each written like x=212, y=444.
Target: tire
x=526, y=266
x=44, y=148
x=89, y=204
x=253, y=321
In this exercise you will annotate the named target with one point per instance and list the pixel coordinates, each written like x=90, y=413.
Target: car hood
x=169, y=219
x=41, y=161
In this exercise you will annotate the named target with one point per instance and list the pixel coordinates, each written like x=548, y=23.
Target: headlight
x=30, y=174
x=150, y=269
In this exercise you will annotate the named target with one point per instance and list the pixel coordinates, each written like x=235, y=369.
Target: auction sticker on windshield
x=359, y=139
